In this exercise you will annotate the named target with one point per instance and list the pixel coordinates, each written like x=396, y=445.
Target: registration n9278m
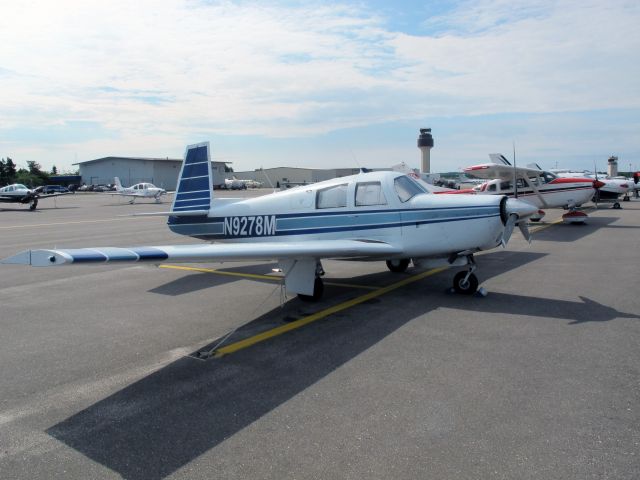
x=255, y=226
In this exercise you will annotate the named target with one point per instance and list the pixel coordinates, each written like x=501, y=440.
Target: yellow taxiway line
x=276, y=278
x=274, y=332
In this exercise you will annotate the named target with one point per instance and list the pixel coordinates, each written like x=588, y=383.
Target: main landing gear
x=318, y=286
x=399, y=265
x=318, y=291
x=33, y=204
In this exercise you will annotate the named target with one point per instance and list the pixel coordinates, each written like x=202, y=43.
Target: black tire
x=398, y=266
x=535, y=220
x=616, y=205
x=318, y=291
x=34, y=204
x=466, y=288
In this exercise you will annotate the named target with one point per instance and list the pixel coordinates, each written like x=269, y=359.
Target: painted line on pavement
x=274, y=332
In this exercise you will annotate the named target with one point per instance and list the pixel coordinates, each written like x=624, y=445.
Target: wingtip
x=22, y=258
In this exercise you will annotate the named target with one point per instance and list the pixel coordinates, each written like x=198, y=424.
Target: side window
x=369, y=193
x=492, y=188
x=332, y=197
x=505, y=185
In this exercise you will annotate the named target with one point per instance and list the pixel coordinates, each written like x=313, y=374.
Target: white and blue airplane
x=369, y=216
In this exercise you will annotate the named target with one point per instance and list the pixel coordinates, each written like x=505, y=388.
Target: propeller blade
x=508, y=229
x=524, y=229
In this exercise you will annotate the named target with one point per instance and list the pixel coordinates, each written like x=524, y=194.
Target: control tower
x=425, y=144
x=612, y=169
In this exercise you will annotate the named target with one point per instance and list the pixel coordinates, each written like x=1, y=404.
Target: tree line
x=32, y=176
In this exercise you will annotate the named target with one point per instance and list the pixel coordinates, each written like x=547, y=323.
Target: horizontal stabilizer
x=186, y=213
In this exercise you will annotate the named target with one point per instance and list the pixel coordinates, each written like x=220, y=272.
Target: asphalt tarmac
x=389, y=376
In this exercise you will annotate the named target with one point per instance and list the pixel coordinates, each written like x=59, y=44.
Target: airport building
x=282, y=176
x=162, y=172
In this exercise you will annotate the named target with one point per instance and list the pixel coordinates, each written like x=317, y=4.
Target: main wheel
x=616, y=205
x=318, y=290
x=34, y=204
x=398, y=266
x=468, y=287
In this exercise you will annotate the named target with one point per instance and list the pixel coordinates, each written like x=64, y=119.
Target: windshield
x=407, y=188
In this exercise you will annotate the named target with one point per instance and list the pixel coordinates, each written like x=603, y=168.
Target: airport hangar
x=162, y=172
x=282, y=176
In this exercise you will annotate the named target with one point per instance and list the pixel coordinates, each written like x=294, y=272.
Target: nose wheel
x=466, y=283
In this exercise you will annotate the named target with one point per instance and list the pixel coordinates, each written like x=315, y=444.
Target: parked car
x=54, y=189
x=73, y=187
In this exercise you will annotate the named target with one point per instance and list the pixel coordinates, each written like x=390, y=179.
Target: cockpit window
x=369, y=193
x=548, y=177
x=332, y=197
x=407, y=188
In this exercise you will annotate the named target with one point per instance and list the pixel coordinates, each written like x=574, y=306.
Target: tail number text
x=260, y=225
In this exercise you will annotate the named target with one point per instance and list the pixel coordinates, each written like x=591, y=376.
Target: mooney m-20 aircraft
x=535, y=186
x=18, y=193
x=369, y=216
x=139, y=190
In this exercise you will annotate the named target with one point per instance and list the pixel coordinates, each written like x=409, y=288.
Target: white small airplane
x=18, y=193
x=139, y=190
x=385, y=216
x=610, y=190
x=234, y=183
x=535, y=186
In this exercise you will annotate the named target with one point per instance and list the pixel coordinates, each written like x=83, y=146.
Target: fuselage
x=148, y=190
x=556, y=192
x=16, y=193
x=377, y=206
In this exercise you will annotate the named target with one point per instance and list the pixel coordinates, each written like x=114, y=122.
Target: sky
x=321, y=84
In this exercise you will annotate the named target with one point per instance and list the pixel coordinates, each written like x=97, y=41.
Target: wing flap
x=207, y=252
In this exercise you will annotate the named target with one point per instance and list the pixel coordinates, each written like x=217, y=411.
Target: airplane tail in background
x=195, y=183
x=118, y=184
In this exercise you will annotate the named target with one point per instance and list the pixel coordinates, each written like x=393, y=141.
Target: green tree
x=54, y=170
x=10, y=171
x=35, y=170
x=3, y=181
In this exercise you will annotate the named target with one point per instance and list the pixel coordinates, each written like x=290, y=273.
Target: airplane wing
x=207, y=252
x=49, y=195
x=498, y=170
x=124, y=194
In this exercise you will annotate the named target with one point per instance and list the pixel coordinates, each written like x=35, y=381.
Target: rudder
x=195, y=187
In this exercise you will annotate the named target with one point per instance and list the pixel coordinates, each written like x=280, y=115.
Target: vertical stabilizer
x=195, y=186
x=118, y=184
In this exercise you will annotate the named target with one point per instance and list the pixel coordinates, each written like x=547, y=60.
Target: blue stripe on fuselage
x=329, y=222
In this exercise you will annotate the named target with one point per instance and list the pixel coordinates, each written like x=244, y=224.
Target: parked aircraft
x=369, y=216
x=18, y=193
x=234, y=183
x=610, y=191
x=535, y=186
x=139, y=190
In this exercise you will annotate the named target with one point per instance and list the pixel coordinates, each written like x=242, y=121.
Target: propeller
x=515, y=212
x=596, y=197
x=515, y=173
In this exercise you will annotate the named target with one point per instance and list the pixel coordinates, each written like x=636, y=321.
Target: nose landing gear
x=466, y=283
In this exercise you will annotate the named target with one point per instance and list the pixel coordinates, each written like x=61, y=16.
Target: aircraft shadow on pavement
x=194, y=281
x=573, y=232
x=586, y=310
x=160, y=423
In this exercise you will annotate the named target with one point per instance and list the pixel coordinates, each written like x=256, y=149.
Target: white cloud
x=164, y=70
